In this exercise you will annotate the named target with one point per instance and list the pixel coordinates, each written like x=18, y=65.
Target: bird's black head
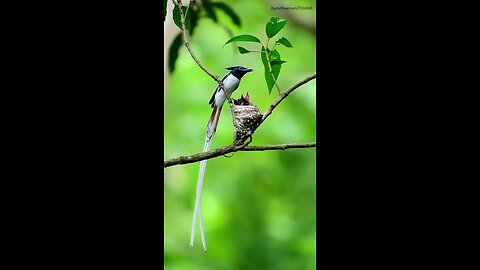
x=239, y=71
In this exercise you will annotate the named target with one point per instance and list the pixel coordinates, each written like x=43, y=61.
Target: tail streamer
x=211, y=128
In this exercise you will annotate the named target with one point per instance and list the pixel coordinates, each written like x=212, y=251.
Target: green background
x=258, y=207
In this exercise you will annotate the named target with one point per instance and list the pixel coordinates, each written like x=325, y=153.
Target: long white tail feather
x=198, y=197
x=204, y=242
x=211, y=127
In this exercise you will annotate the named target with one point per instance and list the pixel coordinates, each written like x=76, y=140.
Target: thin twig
x=279, y=146
x=186, y=40
x=230, y=149
x=195, y=58
x=278, y=87
x=273, y=77
x=285, y=94
x=274, y=80
x=270, y=68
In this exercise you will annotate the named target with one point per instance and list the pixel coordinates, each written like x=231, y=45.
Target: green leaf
x=193, y=18
x=209, y=9
x=242, y=50
x=274, y=26
x=229, y=11
x=173, y=52
x=277, y=62
x=284, y=42
x=275, y=57
x=177, y=17
x=268, y=76
x=248, y=38
x=164, y=10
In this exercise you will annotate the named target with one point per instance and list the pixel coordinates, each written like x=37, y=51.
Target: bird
x=230, y=81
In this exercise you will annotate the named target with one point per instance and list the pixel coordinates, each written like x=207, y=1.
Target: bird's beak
x=248, y=69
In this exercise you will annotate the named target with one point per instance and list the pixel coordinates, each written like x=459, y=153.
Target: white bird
x=231, y=82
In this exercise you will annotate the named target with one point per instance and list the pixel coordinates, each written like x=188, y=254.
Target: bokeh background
x=258, y=207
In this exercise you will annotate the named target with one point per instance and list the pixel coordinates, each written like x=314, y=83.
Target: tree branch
x=285, y=94
x=186, y=40
x=230, y=149
x=279, y=146
x=234, y=147
x=195, y=58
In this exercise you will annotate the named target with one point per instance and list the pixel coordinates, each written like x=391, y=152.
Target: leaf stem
x=271, y=72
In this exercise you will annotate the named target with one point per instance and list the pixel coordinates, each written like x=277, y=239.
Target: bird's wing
x=212, y=99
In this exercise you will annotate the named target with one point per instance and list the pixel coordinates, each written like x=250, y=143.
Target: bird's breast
x=231, y=83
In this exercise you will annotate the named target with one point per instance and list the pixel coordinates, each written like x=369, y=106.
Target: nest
x=246, y=119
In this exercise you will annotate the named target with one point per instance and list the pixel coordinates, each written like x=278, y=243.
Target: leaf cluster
x=270, y=57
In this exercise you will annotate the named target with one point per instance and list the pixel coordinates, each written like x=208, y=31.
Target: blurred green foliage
x=258, y=207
